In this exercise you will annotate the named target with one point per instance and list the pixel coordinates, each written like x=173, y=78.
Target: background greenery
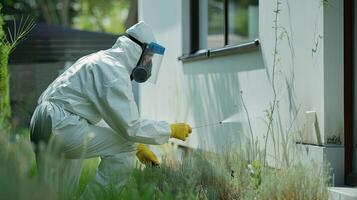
x=106, y=16
x=5, y=109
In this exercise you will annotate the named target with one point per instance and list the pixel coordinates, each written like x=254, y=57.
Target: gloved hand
x=180, y=131
x=146, y=156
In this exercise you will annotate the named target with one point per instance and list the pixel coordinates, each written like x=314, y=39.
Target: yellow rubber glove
x=180, y=131
x=146, y=156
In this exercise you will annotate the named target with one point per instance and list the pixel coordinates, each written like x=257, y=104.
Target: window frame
x=196, y=53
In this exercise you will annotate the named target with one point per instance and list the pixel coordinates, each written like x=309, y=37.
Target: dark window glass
x=215, y=36
x=216, y=23
x=242, y=20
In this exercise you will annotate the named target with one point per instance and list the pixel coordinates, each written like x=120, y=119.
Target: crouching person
x=97, y=88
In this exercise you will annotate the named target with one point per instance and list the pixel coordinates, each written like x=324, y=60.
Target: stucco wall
x=308, y=74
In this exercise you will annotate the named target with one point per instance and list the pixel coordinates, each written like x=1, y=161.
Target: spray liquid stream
x=235, y=118
x=213, y=124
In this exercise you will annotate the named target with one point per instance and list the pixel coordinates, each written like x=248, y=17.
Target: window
x=217, y=23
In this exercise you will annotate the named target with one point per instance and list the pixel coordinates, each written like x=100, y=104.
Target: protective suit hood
x=127, y=51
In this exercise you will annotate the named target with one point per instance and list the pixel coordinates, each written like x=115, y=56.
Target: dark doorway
x=349, y=94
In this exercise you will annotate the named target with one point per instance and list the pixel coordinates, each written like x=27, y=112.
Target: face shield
x=148, y=66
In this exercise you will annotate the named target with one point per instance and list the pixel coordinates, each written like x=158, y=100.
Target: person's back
x=68, y=90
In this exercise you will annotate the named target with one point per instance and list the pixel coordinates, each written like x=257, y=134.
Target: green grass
x=199, y=175
x=88, y=173
x=203, y=175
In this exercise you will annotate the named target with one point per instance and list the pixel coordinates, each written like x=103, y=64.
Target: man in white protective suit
x=97, y=90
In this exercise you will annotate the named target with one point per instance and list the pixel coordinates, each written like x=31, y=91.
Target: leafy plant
x=21, y=29
x=255, y=171
x=7, y=45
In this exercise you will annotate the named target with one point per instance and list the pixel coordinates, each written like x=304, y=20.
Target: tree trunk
x=44, y=8
x=65, y=12
x=132, y=15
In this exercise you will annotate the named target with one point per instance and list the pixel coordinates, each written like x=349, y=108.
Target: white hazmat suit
x=98, y=88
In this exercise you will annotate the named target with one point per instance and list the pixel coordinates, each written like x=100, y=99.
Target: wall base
x=332, y=154
x=342, y=193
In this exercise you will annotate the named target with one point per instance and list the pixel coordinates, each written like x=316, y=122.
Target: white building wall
x=299, y=70
x=207, y=91
x=163, y=100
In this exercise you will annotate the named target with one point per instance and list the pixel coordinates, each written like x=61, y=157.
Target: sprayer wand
x=213, y=124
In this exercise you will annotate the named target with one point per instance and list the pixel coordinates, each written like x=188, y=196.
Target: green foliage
x=7, y=45
x=215, y=17
x=1, y=23
x=57, y=12
x=5, y=109
x=19, y=33
x=241, y=22
x=238, y=17
x=87, y=174
x=105, y=16
x=16, y=161
x=255, y=170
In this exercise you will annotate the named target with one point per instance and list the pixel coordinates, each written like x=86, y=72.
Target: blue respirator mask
x=149, y=62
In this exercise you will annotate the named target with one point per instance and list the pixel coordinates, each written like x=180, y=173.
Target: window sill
x=217, y=52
